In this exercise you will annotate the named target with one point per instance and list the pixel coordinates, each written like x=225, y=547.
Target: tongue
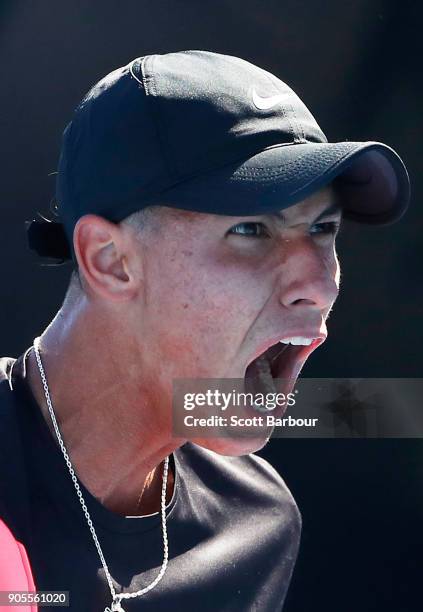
x=258, y=377
x=278, y=362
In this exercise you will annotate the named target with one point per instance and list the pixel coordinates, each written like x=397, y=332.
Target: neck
x=116, y=437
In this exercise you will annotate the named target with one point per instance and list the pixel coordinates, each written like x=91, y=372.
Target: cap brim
x=370, y=177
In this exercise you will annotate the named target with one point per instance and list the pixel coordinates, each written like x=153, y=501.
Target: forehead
x=324, y=201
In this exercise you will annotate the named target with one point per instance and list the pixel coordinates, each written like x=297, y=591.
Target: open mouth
x=277, y=368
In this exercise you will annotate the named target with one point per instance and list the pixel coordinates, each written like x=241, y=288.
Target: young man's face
x=219, y=291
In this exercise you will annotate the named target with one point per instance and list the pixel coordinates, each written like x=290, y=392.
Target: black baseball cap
x=211, y=133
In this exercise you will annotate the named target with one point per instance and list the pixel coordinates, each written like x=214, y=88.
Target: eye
x=329, y=227
x=250, y=229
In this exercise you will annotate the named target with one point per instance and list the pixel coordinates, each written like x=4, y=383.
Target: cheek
x=334, y=272
x=206, y=303
x=338, y=273
x=335, y=267
x=208, y=281
x=330, y=260
x=206, y=306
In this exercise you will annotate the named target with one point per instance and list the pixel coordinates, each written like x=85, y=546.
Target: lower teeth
x=260, y=408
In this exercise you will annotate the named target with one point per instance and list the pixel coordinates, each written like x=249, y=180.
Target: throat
x=149, y=500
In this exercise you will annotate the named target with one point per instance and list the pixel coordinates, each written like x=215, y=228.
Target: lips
x=289, y=362
x=315, y=333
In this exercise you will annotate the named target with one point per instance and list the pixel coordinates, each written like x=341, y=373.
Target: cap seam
x=148, y=81
x=294, y=131
x=273, y=174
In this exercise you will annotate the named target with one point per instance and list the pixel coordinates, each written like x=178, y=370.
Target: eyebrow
x=332, y=208
x=329, y=210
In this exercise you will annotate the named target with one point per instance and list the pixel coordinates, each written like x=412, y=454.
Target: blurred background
x=356, y=64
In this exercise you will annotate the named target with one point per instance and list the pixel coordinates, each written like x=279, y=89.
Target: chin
x=234, y=447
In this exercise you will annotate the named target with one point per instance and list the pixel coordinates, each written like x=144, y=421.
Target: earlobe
x=99, y=248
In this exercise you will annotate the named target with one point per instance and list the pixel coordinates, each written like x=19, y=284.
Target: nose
x=309, y=275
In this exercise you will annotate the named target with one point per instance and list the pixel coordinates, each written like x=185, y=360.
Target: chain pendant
x=116, y=607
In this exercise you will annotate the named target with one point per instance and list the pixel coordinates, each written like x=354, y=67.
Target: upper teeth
x=297, y=340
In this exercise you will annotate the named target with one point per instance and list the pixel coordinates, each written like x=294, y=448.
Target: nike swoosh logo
x=266, y=103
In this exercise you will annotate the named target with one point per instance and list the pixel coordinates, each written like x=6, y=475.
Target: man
x=200, y=203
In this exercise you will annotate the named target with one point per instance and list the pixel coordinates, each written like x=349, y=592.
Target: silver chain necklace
x=116, y=597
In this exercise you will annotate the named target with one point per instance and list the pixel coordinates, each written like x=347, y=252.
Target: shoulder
x=6, y=364
x=249, y=479
x=8, y=422
x=13, y=481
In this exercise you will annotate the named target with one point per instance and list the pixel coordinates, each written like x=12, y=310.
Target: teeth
x=297, y=340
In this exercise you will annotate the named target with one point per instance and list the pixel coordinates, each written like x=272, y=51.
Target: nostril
x=303, y=301
x=316, y=293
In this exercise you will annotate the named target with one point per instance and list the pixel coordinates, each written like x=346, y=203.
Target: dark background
x=357, y=66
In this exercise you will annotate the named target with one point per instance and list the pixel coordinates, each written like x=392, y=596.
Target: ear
x=103, y=251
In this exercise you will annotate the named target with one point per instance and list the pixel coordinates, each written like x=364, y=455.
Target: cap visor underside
x=371, y=179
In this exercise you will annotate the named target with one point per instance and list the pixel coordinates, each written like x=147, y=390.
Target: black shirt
x=233, y=525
